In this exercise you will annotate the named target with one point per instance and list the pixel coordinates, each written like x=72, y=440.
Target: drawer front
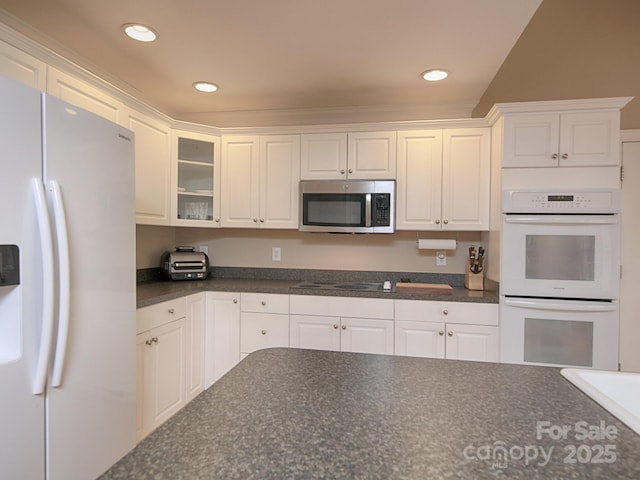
x=450, y=312
x=263, y=330
x=379, y=308
x=264, y=303
x=160, y=313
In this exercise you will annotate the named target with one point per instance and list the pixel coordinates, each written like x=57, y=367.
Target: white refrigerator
x=67, y=289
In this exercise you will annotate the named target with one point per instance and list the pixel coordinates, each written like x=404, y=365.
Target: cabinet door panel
x=195, y=345
x=323, y=156
x=279, y=179
x=589, y=139
x=153, y=168
x=472, y=342
x=419, y=339
x=222, y=333
x=165, y=373
x=239, y=187
x=141, y=347
x=419, y=183
x=364, y=335
x=315, y=332
x=23, y=68
x=531, y=140
x=263, y=330
x=466, y=179
x=371, y=155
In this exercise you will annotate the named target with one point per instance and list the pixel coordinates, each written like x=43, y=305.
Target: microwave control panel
x=381, y=209
x=585, y=201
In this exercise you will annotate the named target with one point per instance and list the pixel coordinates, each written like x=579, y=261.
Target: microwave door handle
x=561, y=305
x=367, y=210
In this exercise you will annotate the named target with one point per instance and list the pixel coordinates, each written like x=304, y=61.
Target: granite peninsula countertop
x=256, y=280
x=303, y=414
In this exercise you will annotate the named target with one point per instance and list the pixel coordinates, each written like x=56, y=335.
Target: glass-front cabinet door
x=195, y=179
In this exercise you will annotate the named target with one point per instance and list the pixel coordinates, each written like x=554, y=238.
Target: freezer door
x=91, y=414
x=21, y=413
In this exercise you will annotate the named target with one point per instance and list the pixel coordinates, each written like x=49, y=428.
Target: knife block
x=473, y=281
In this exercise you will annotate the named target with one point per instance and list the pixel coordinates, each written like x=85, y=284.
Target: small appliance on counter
x=185, y=264
x=474, y=273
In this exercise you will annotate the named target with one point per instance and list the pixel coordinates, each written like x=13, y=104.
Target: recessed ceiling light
x=142, y=33
x=435, y=74
x=206, y=87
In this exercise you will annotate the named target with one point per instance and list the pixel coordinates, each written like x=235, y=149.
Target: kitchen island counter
x=290, y=413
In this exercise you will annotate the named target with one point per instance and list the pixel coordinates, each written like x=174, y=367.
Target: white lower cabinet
x=264, y=321
x=362, y=325
x=459, y=331
x=169, y=359
x=222, y=335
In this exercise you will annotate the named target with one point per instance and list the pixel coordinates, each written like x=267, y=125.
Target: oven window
x=334, y=210
x=558, y=342
x=560, y=257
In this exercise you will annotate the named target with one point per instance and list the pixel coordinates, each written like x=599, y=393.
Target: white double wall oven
x=560, y=278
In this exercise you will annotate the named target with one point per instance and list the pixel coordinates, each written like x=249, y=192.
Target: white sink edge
x=577, y=377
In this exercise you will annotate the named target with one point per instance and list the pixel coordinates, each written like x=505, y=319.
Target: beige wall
x=252, y=248
x=574, y=49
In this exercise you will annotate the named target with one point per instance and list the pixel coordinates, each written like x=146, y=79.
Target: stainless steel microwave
x=347, y=206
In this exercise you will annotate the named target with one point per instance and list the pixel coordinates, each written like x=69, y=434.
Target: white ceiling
x=275, y=57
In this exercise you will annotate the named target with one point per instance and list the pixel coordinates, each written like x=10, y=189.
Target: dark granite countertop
x=304, y=414
x=255, y=280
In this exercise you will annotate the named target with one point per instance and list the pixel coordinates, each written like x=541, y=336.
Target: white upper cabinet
x=195, y=179
x=153, y=167
x=260, y=178
x=279, y=179
x=466, y=170
x=23, y=68
x=566, y=139
x=443, y=179
x=357, y=156
x=85, y=96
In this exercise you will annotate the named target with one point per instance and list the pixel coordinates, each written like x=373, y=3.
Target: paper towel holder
x=437, y=244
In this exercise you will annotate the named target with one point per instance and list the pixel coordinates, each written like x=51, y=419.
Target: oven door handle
x=562, y=305
x=562, y=219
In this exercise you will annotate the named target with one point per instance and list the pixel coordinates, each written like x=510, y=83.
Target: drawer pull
x=235, y=300
x=171, y=311
x=445, y=312
x=264, y=332
x=264, y=303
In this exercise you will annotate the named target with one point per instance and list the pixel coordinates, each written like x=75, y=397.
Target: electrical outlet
x=276, y=254
x=204, y=249
x=441, y=259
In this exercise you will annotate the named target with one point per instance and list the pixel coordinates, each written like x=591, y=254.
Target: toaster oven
x=185, y=264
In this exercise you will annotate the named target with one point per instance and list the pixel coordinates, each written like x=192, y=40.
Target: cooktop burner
x=321, y=285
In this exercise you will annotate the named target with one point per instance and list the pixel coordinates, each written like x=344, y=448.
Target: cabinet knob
x=255, y=220
x=450, y=333
x=445, y=312
x=264, y=303
x=235, y=300
x=217, y=220
x=263, y=332
x=441, y=332
x=262, y=220
x=171, y=311
x=554, y=156
x=565, y=155
x=344, y=327
x=445, y=222
x=437, y=222
x=351, y=170
x=342, y=171
x=149, y=342
x=335, y=326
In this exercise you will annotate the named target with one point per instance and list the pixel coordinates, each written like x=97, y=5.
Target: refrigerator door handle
x=48, y=286
x=64, y=283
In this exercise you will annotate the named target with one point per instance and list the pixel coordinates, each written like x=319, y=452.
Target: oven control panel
x=583, y=201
